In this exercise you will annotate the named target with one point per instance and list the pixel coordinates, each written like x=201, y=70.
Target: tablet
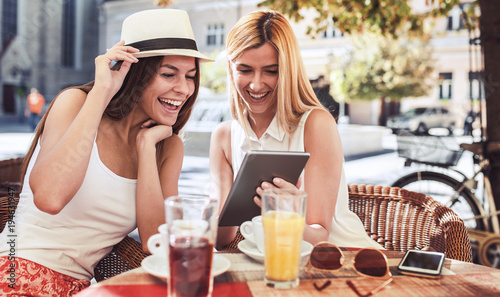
x=258, y=166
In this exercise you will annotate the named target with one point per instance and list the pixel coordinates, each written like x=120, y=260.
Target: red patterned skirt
x=21, y=277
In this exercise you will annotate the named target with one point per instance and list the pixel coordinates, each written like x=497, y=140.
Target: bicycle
x=470, y=197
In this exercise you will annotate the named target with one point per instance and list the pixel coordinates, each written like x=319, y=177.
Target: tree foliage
x=387, y=17
x=394, y=60
x=214, y=74
x=385, y=68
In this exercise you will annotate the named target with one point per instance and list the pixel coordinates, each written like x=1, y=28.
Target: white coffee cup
x=253, y=232
x=158, y=244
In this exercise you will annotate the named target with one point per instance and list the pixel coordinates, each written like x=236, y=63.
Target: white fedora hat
x=161, y=32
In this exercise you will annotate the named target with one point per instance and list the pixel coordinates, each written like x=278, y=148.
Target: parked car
x=419, y=120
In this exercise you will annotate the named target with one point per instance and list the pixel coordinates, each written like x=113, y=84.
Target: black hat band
x=164, y=43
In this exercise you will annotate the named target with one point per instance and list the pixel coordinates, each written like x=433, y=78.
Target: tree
x=386, y=69
x=388, y=17
x=214, y=75
x=394, y=17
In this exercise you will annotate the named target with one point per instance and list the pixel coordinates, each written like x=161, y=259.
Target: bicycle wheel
x=444, y=189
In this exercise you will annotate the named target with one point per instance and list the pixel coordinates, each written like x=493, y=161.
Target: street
x=381, y=168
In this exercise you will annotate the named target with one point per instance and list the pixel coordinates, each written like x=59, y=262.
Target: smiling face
x=169, y=90
x=255, y=75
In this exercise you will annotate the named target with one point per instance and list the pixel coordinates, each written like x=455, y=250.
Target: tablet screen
x=258, y=166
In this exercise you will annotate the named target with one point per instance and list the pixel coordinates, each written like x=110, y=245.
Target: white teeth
x=257, y=96
x=172, y=102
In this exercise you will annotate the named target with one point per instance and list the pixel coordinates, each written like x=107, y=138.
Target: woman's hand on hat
x=151, y=133
x=110, y=81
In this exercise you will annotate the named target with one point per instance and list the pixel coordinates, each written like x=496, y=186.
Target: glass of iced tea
x=191, y=232
x=283, y=220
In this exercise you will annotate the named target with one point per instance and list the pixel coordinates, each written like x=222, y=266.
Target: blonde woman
x=104, y=157
x=274, y=108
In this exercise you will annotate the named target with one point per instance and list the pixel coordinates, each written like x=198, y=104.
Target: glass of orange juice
x=283, y=219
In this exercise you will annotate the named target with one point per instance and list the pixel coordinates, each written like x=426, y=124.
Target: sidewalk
x=380, y=169
x=13, y=124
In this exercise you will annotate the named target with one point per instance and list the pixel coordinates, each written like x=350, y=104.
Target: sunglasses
x=368, y=262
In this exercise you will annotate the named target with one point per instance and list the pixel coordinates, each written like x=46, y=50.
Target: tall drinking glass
x=191, y=231
x=283, y=220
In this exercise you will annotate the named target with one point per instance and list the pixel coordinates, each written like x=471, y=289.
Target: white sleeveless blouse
x=71, y=242
x=347, y=229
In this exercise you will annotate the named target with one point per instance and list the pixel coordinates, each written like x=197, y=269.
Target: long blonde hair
x=295, y=95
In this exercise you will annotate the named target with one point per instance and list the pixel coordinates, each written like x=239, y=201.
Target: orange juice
x=282, y=238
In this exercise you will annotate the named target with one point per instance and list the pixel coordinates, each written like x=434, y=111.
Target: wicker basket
x=434, y=150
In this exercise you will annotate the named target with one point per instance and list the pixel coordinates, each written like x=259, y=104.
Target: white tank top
x=347, y=229
x=73, y=241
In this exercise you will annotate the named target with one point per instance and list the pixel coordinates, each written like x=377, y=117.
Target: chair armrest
x=126, y=255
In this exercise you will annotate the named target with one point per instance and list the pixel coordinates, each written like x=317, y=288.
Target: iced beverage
x=190, y=267
x=191, y=232
x=283, y=220
x=283, y=237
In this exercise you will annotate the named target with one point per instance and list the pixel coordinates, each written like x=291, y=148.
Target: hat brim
x=173, y=52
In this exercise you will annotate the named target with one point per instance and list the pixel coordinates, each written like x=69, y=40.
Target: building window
x=456, y=20
x=332, y=31
x=476, y=87
x=215, y=34
x=445, y=85
x=9, y=21
x=68, y=33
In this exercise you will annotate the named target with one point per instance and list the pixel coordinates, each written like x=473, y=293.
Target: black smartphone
x=422, y=263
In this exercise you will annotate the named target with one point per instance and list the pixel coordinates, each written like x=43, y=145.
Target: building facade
x=56, y=42
x=456, y=85
x=45, y=44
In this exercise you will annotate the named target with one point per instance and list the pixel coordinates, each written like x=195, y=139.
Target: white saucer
x=251, y=250
x=157, y=265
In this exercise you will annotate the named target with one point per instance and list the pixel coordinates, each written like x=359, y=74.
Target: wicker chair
x=399, y=220
x=126, y=255
x=10, y=175
x=8, y=205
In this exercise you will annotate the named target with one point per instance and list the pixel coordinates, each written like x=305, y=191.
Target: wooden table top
x=245, y=279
